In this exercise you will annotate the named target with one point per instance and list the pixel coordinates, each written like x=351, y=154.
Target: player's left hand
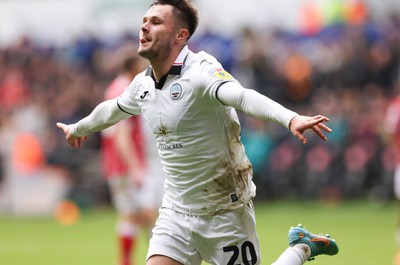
x=299, y=124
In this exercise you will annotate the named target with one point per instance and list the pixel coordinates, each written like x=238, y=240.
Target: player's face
x=158, y=32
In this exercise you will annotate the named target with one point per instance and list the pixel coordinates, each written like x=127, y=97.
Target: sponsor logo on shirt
x=220, y=73
x=176, y=91
x=169, y=146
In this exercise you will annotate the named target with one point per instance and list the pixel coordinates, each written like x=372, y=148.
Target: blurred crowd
x=346, y=71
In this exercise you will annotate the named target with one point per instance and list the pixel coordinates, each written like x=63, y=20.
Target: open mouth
x=144, y=40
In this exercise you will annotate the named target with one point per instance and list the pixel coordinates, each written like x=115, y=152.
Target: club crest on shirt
x=220, y=73
x=176, y=91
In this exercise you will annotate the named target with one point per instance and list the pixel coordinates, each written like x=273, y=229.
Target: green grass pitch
x=364, y=233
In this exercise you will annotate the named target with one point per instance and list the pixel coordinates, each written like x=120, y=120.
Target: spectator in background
x=131, y=165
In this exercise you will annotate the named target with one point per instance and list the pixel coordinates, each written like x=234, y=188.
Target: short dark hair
x=184, y=11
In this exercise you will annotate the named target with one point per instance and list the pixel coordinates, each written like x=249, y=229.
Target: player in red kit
x=133, y=171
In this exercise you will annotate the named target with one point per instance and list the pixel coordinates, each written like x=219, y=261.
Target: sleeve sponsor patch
x=220, y=73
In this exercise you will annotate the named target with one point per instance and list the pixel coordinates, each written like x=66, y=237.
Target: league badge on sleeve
x=221, y=74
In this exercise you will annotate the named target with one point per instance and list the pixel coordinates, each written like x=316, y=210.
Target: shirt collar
x=176, y=68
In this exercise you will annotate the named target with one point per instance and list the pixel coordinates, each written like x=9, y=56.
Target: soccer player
x=189, y=101
x=131, y=165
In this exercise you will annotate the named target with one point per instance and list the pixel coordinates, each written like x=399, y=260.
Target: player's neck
x=159, y=70
x=162, y=65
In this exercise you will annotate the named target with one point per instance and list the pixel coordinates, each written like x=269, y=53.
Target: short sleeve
x=211, y=76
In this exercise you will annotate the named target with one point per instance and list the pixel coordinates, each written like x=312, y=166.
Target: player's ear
x=183, y=34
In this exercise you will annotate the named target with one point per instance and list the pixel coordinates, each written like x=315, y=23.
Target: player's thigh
x=172, y=237
x=230, y=238
x=122, y=193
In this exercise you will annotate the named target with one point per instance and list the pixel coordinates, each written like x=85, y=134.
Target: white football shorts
x=227, y=238
x=127, y=198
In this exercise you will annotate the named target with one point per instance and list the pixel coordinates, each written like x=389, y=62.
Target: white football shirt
x=198, y=137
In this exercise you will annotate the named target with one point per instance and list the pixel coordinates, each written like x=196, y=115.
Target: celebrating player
x=189, y=101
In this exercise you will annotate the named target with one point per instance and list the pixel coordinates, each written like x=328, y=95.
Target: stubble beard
x=146, y=53
x=151, y=53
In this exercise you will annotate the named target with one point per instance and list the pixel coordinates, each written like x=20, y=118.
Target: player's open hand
x=72, y=140
x=299, y=124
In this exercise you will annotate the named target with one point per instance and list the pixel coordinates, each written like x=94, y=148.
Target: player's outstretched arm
x=104, y=115
x=251, y=102
x=299, y=124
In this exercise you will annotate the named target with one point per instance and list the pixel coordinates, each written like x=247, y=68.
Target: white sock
x=296, y=255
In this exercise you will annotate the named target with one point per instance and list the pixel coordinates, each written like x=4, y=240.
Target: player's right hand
x=72, y=140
